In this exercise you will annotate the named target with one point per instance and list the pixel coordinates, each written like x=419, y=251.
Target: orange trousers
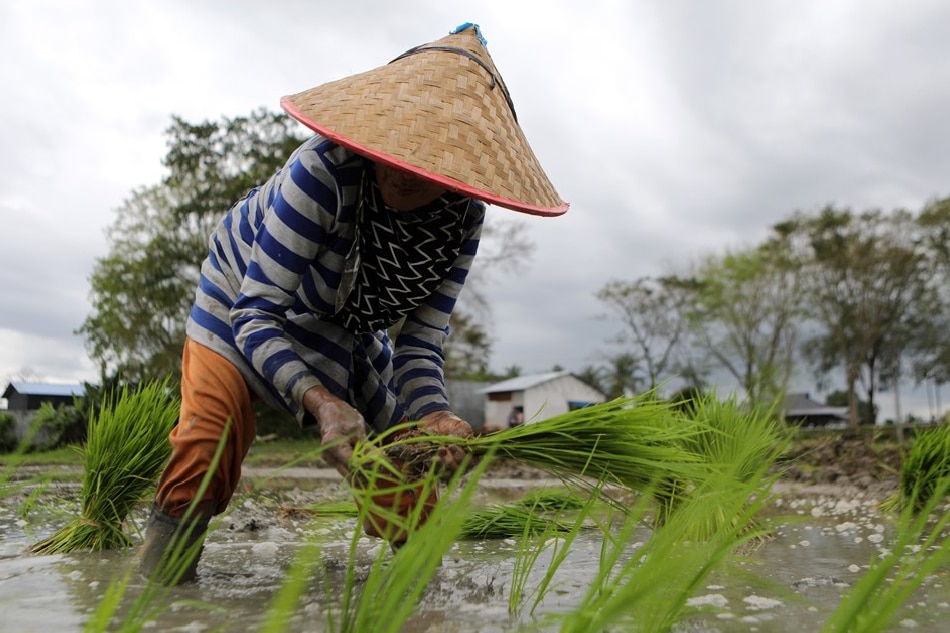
x=213, y=392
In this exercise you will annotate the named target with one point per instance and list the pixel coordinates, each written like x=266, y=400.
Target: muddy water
x=822, y=545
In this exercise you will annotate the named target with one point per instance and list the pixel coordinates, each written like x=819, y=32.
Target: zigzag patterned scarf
x=399, y=257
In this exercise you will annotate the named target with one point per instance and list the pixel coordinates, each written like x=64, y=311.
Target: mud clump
x=856, y=462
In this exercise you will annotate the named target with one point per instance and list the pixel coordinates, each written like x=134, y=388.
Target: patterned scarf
x=398, y=258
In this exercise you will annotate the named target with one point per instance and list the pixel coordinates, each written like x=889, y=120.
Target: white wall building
x=537, y=397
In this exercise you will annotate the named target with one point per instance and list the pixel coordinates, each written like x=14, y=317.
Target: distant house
x=24, y=399
x=800, y=409
x=29, y=396
x=535, y=397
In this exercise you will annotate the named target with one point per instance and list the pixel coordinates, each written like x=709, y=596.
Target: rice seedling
x=734, y=441
x=126, y=449
x=529, y=552
x=390, y=593
x=295, y=585
x=648, y=591
x=630, y=442
x=560, y=545
x=153, y=600
x=923, y=467
x=499, y=521
x=333, y=509
x=552, y=500
x=495, y=521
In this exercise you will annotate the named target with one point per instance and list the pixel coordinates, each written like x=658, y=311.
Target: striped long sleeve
x=268, y=295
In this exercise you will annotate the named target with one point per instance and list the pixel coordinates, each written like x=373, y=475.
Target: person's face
x=403, y=191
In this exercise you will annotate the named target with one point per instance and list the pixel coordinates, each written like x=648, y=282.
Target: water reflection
x=790, y=583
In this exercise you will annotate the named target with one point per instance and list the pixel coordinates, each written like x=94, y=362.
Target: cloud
x=675, y=130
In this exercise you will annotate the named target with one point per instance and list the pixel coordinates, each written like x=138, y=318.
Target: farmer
x=372, y=222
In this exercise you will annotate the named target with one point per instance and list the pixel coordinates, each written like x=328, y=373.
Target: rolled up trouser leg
x=214, y=400
x=172, y=547
x=215, y=404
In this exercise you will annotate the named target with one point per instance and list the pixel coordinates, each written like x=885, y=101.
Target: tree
x=930, y=343
x=142, y=290
x=745, y=317
x=653, y=313
x=621, y=377
x=863, y=275
x=467, y=349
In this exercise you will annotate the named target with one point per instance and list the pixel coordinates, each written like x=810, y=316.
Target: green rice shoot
x=923, y=467
x=127, y=448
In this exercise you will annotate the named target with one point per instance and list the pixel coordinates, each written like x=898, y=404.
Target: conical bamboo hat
x=440, y=111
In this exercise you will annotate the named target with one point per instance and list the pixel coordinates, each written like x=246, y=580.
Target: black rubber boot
x=172, y=547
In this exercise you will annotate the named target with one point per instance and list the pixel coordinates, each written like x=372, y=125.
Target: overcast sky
x=674, y=129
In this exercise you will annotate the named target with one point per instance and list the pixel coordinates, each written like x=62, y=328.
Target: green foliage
x=745, y=315
x=143, y=289
x=734, y=441
x=628, y=442
x=868, y=278
x=467, y=348
x=654, y=318
x=871, y=287
x=839, y=398
x=391, y=591
x=8, y=440
x=55, y=427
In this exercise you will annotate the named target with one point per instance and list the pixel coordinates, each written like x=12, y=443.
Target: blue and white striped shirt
x=267, y=299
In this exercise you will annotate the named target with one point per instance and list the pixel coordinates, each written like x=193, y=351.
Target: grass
x=286, y=452
x=65, y=456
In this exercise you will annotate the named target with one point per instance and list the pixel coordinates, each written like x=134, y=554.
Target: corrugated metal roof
x=801, y=404
x=45, y=388
x=523, y=383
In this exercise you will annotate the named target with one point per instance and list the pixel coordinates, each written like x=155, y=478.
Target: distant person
x=516, y=417
x=374, y=220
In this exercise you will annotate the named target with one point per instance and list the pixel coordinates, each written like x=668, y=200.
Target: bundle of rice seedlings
x=923, y=467
x=332, y=509
x=126, y=449
x=628, y=442
x=496, y=521
x=507, y=521
x=737, y=443
x=551, y=500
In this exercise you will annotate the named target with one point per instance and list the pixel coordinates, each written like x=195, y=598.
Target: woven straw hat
x=442, y=112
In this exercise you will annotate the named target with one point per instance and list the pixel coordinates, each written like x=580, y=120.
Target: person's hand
x=341, y=426
x=451, y=456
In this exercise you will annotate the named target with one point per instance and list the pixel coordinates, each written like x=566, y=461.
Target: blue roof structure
x=45, y=389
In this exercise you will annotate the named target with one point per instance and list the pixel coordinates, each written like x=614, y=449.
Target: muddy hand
x=341, y=426
x=450, y=457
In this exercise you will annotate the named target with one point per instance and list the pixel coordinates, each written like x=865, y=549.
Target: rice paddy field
x=822, y=541
x=633, y=515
